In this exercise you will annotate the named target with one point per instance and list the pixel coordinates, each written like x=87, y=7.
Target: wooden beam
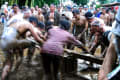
x=73, y=76
x=87, y=57
x=111, y=4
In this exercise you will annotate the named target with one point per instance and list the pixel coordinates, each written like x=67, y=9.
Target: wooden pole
x=85, y=56
x=111, y=4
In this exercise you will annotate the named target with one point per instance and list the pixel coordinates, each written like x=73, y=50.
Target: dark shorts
x=105, y=38
x=48, y=60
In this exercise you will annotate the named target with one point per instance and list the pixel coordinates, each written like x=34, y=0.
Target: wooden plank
x=111, y=4
x=73, y=76
x=87, y=57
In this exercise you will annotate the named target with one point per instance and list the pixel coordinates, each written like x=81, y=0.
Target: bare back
x=80, y=24
x=22, y=26
x=40, y=17
x=105, y=18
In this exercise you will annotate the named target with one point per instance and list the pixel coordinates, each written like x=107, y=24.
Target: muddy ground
x=34, y=71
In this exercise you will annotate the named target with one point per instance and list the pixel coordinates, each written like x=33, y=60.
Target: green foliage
x=82, y=2
x=26, y=3
x=104, y=1
x=98, y=6
x=51, y=2
x=30, y=3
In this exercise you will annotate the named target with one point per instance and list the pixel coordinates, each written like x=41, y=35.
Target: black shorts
x=105, y=38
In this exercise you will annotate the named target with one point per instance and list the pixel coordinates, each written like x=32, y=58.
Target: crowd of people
x=52, y=28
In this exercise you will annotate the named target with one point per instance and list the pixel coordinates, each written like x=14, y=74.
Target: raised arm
x=94, y=44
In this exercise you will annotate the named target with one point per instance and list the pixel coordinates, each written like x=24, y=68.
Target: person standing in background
x=52, y=16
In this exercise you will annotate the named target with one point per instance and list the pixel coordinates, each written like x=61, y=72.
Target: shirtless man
x=15, y=11
x=90, y=18
x=81, y=11
x=27, y=14
x=105, y=17
x=10, y=40
x=38, y=30
x=80, y=23
x=111, y=15
x=31, y=49
x=33, y=11
x=40, y=16
x=102, y=38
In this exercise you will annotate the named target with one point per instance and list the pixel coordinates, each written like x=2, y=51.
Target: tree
x=104, y=1
x=51, y=2
x=30, y=3
x=82, y=2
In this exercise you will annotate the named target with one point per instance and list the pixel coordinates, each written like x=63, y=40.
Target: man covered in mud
x=11, y=39
x=91, y=18
x=102, y=37
x=38, y=28
x=80, y=25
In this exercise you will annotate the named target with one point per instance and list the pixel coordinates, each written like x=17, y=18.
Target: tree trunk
x=26, y=3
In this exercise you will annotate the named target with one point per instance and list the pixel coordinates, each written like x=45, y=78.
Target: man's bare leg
x=31, y=51
x=108, y=63
x=19, y=59
x=7, y=67
x=6, y=70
